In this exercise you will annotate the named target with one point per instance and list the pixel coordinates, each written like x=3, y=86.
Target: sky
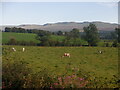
x=17, y=13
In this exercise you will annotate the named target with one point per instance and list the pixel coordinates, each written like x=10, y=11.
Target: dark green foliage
x=91, y=34
x=14, y=29
x=107, y=44
x=12, y=41
x=17, y=74
x=75, y=33
x=13, y=74
x=115, y=44
x=59, y=33
x=22, y=30
x=116, y=37
x=44, y=36
x=117, y=31
x=24, y=43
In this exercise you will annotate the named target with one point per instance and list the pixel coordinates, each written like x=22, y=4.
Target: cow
x=100, y=52
x=23, y=49
x=66, y=54
x=13, y=49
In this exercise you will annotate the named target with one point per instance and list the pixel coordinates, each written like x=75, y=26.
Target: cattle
x=23, y=49
x=100, y=52
x=13, y=49
x=66, y=54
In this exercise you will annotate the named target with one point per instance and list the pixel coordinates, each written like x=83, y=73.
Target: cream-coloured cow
x=14, y=49
x=23, y=49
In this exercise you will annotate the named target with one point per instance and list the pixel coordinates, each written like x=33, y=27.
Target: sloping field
x=97, y=70
x=83, y=58
x=6, y=36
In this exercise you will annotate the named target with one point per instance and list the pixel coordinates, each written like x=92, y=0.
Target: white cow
x=66, y=54
x=23, y=49
x=100, y=52
x=13, y=49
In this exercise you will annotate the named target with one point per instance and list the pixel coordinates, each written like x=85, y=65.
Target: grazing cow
x=13, y=49
x=23, y=49
x=66, y=54
x=100, y=52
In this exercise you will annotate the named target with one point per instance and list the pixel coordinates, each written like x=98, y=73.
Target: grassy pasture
x=83, y=58
x=6, y=36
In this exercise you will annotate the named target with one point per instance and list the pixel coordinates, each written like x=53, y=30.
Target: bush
x=14, y=73
x=18, y=75
x=115, y=44
x=72, y=81
x=12, y=41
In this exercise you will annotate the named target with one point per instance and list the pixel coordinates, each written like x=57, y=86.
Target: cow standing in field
x=66, y=54
x=14, y=49
x=23, y=49
x=100, y=52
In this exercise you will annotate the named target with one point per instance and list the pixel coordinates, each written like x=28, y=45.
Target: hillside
x=68, y=26
x=6, y=36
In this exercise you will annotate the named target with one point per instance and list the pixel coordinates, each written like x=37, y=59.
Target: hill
x=68, y=26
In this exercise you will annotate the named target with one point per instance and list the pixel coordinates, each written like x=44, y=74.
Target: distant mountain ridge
x=68, y=26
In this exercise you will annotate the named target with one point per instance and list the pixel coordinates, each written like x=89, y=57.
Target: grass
x=6, y=36
x=46, y=62
x=83, y=58
x=57, y=38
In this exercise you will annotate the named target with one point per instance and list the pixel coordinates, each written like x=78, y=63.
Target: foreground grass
x=84, y=60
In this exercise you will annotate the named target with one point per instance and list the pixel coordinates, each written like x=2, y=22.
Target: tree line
x=72, y=38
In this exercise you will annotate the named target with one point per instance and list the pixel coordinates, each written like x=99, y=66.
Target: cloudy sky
x=16, y=13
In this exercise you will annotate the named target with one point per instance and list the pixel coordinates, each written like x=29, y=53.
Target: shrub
x=72, y=81
x=18, y=75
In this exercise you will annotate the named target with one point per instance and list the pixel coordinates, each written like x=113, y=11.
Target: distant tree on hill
x=59, y=33
x=91, y=34
x=75, y=33
x=117, y=33
x=14, y=29
x=116, y=37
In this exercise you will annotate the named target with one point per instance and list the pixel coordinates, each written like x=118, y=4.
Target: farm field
x=6, y=36
x=27, y=37
x=85, y=60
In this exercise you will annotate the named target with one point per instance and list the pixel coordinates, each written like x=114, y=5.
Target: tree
x=12, y=41
x=75, y=33
x=91, y=34
x=59, y=33
x=43, y=37
x=117, y=32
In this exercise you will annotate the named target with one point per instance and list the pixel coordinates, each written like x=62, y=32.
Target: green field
x=6, y=36
x=84, y=59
